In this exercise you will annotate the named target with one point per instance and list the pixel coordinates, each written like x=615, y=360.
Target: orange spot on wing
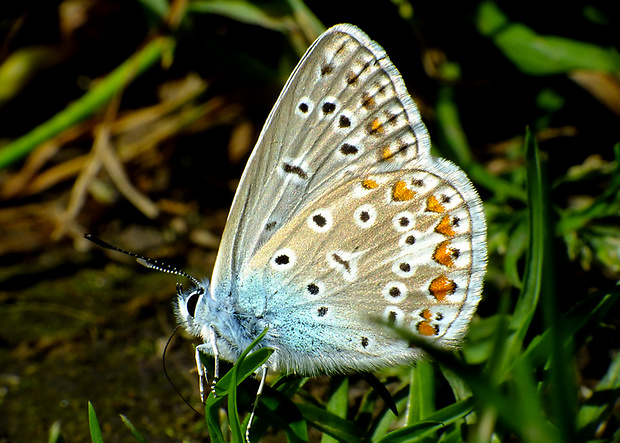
x=367, y=101
x=441, y=287
x=376, y=127
x=386, y=153
x=426, y=314
x=369, y=184
x=424, y=328
x=433, y=205
x=401, y=193
x=445, y=227
x=444, y=254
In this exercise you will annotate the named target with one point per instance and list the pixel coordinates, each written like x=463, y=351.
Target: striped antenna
x=147, y=262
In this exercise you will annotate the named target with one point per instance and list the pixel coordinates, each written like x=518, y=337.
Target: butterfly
x=342, y=217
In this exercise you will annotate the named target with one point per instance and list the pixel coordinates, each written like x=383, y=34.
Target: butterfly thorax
x=217, y=318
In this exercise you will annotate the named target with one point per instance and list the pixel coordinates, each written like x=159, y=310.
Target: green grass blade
x=227, y=386
x=242, y=11
x=338, y=403
x=276, y=409
x=532, y=280
x=246, y=368
x=534, y=427
x=212, y=417
x=237, y=431
x=601, y=402
x=601, y=207
x=55, y=435
x=433, y=423
x=379, y=389
x=454, y=140
x=517, y=246
x=93, y=424
x=89, y=103
x=386, y=419
x=562, y=382
x=136, y=434
x=422, y=392
x=331, y=424
x=536, y=54
x=577, y=324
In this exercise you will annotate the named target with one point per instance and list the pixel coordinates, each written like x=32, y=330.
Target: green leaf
x=453, y=139
x=276, y=409
x=55, y=435
x=246, y=365
x=433, y=423
x=93, y=424
x=331, y=424
x=136, y=434
x=535, y=54
x=601, y=402
x=89, y=103
x=338, y=403
x=237, y=376
x=422, y=392
x=532, y=280
x=244, y=12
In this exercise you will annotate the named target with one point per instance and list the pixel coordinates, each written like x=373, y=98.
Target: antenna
x=163, y=360
x=147, y=262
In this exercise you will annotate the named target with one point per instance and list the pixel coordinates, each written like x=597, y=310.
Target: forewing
x=343, y=112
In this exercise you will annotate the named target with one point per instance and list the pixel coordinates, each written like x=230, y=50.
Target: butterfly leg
x=263, y=377
x=216, y=356
x=202, y=372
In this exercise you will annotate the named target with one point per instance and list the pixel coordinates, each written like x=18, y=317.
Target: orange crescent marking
x=424, y=328
x=444, y=254
x=401, y=193
x=441, y=287
x=369, y=184
x=433, y=205
x=445, y=227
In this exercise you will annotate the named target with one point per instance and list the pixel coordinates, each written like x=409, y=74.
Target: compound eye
x=192, y=301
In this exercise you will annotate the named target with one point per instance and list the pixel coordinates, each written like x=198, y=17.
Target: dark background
x=79, y=324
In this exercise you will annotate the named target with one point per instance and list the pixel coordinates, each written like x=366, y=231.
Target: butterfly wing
x=342, y=90
x=370, y=251
x=342, y=217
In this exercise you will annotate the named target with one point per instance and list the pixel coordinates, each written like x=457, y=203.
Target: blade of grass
x=422, y=392
x=276, y=409
x=433, y=423
x=602, y=401
x=245, y=367
x=517, y=246
x=133, y=430
x=93, y=424
x=577, y=324
x=599, y=208
x=562, y=383
x=338, y=402
x=381, y=390
x=534, y=427
x=532, y=280
x=89, y=103
x=55, y=435
x=233, y=411
x=242, y=11
x=386, y=420
x=454, y=140
x=331, y=424
x=536, y=54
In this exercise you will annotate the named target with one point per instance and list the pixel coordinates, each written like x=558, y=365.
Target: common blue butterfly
x=342, y=216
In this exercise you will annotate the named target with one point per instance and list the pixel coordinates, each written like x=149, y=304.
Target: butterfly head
x=192, y=308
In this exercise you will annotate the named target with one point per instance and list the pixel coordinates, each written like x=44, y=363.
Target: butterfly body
x=342, y=218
